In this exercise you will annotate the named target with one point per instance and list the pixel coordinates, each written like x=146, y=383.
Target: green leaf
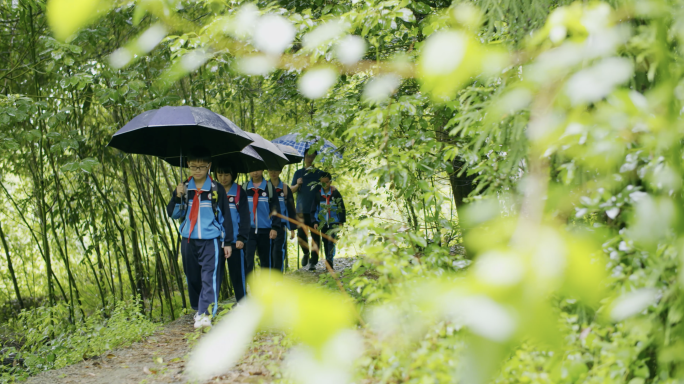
x=421, y=8
x=450, y=59
x=418, y=240
x=66, y=17
x=85, y=165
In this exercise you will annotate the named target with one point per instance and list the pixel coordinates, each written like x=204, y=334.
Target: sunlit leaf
x=316, y=82
x=350, y=49
x=181, y=67
x=313, y=315
x=66, y=17
x=449, y=59
x=381, y=88
x=632, y=303
x=257, y=65
x=273, y=34
x=499, y=268
x=223, y=347
x=323, y=34
x=598, y=81
x=332, y=365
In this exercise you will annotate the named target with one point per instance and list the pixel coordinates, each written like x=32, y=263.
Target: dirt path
x=161, y=357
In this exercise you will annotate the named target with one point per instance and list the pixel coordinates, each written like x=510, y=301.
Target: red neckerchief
x=255, y=201
x=327, y=201
x=194, y=211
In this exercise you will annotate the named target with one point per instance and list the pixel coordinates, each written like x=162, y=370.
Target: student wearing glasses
x=207, y=234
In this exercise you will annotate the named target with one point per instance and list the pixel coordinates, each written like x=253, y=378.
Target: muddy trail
x=161, y=357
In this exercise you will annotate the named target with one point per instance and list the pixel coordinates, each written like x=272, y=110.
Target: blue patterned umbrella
x=292, y=154
x=301, y=144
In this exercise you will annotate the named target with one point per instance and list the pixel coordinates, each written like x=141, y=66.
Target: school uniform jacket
x=287, y=205
x=328, y=208
x=239, y=211
x=207, y=226
x=260, y=207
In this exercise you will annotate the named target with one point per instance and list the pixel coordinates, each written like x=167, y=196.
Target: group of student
x=222, y=219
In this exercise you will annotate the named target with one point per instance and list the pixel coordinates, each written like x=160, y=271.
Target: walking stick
x=300, y=224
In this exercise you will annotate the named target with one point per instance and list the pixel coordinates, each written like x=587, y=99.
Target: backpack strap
x=184, y=199
x=271, y=186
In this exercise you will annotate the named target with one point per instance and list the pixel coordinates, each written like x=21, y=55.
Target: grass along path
x=161, y=357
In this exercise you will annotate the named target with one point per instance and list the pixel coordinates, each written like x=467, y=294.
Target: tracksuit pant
x=237, y=272
x=280, y=250
x=329, y=245
x=304, y=241
x=262, y=243
x=203, y=265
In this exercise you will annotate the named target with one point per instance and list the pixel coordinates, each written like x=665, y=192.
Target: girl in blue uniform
x=287, y=208
x=261, y=201
x=239, y=212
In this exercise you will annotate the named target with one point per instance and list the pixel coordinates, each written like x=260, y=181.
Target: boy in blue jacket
x=207, y=232
x=239, y=212
x=328, y=214
x=287, y=208
x=261, y=201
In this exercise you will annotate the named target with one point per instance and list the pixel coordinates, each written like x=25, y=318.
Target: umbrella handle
x=180, y=175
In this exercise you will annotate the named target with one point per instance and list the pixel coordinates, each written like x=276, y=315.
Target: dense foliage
x=560, y=121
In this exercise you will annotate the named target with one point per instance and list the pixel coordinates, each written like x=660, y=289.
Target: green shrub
x=50, y=341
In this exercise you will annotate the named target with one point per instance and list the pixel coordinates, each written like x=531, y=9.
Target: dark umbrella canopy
x=170, y=132
x=245, y=161
x=292, y=154
x=272, y=156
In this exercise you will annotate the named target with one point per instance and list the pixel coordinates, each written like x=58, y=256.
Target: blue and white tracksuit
x=287, y=208
x=239, y=212
x=328, y=212
x=261, y=223
x=202, y=250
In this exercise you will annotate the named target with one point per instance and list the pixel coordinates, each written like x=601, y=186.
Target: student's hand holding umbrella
x=239, y=244
x=292, y=234
x=316, y=226
x=228, y=251
x=180, y=190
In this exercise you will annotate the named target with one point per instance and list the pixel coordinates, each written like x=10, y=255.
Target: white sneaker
x=197, y=316
x=203, y=321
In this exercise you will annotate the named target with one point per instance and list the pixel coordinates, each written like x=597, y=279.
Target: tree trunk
x=11, y=268
x=462, y=185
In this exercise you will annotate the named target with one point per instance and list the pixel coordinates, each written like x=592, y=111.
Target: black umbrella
x=268, y=151
x=170, y=132
x=292, y=154
x=245, y=161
